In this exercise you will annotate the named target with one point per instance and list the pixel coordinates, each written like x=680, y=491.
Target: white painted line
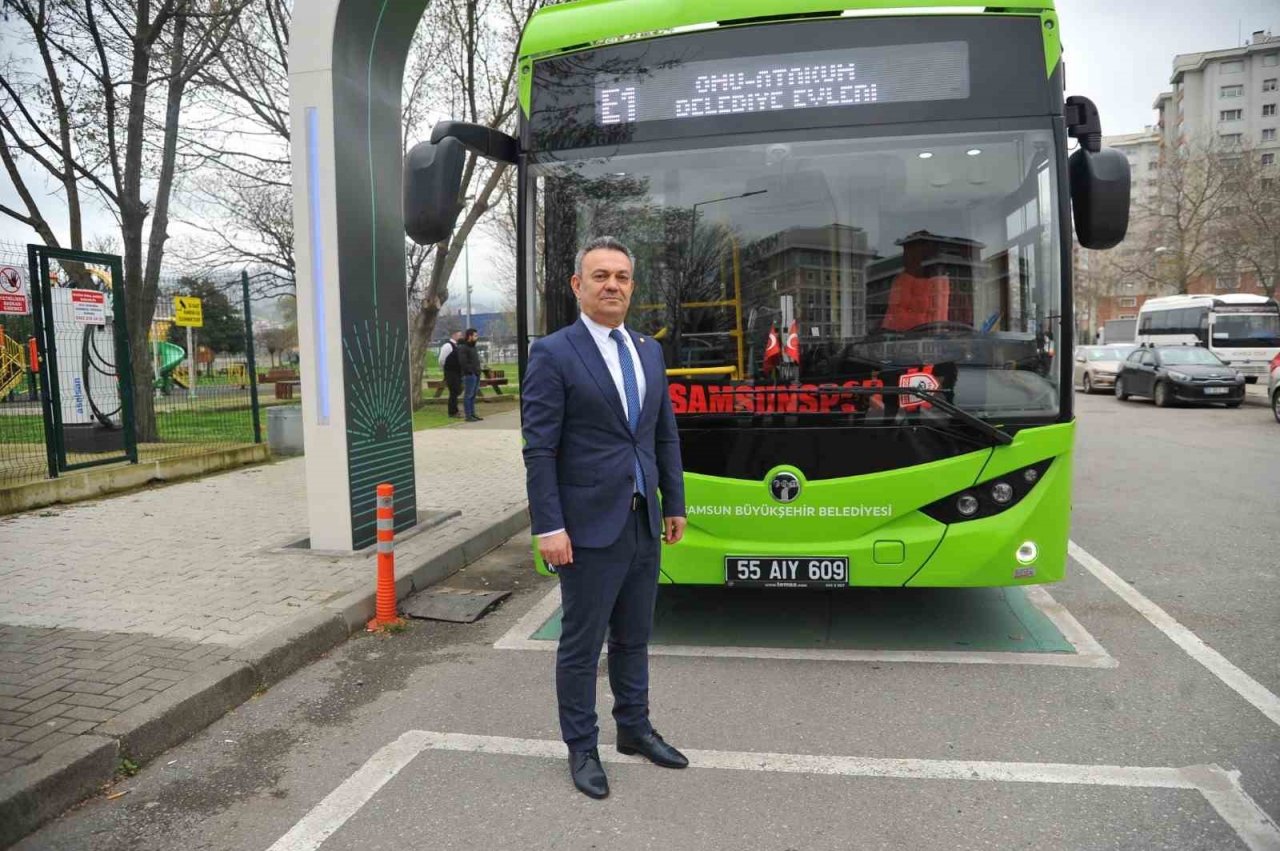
x=345, y=801
x=1243, y=684
x=1220, y=788
x=1089, y=653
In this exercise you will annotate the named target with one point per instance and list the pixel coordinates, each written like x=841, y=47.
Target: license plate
x=787, y=571
x=1215, y=391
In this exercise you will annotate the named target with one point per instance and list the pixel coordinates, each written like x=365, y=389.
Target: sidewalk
x=129, y=623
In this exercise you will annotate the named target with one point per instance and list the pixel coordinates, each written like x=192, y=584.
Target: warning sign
x=13, y=292
x=188, y=312
x=89, y=307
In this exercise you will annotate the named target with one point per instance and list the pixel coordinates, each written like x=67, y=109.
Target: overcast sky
x=1118, y=52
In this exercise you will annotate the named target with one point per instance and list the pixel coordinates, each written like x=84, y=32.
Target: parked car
x=1097, y=366
x=1171, y=374
x=1273, y=387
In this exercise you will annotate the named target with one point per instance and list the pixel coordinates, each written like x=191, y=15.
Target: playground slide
x=170, y=357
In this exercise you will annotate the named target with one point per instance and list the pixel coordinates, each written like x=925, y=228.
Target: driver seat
x=917, y=301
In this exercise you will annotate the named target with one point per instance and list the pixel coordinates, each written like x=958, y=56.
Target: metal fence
x=203, y=393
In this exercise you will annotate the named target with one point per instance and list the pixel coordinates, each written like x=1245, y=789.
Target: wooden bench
x=496, y=383
x=284, y=389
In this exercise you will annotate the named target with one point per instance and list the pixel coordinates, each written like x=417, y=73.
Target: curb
x=35, y=794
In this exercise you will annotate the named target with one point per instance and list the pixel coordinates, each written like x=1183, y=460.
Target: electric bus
x=1242, y=329
x=852, y=237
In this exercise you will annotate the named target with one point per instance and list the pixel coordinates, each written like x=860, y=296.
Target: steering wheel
x=943, y=325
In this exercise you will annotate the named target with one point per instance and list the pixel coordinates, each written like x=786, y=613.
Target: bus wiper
x=936, y=398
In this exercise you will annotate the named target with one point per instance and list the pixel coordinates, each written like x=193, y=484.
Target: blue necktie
x=632, y=389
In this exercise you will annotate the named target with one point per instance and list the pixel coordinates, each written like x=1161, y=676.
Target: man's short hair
x=471, y=331
x=597, y=243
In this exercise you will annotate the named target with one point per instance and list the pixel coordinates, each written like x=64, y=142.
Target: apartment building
x=1230, y=97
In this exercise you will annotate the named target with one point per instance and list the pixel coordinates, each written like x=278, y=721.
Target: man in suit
x=600, y=444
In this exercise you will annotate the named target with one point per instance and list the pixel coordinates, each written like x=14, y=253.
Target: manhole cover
x=456, y=605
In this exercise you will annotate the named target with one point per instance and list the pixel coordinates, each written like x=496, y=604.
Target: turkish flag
x=792, y=348
x=772, y=350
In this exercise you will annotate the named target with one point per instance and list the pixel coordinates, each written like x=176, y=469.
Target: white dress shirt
x=609, y=351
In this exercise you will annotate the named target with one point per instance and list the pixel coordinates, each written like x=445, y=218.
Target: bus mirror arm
x=480, y=140
x=1083, y=122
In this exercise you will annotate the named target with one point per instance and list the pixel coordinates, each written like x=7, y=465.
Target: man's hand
x=673, y=529
x=556, y=549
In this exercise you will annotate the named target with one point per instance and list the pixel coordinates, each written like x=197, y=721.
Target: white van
x=1241, y=329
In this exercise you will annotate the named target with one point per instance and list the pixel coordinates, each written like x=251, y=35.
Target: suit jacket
x=579, y=452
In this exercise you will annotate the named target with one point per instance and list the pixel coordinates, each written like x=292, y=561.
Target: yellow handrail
x=704, y=370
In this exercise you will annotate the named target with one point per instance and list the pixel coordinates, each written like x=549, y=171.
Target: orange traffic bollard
x=385, y=605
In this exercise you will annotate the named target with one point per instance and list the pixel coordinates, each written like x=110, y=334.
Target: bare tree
x=1179, y=233
x=239, y=134
x=472, y=45
x=101, y=113
x=1253, y=217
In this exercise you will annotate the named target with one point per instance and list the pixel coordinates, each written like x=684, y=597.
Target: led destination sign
x=853, y=76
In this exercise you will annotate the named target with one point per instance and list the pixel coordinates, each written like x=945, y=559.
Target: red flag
x=772, y=350
x=792, y=348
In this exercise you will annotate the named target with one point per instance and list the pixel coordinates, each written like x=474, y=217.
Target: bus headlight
x=1027, y=553
x=988, y=498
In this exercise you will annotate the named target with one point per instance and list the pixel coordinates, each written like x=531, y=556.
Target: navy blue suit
x=580, y=459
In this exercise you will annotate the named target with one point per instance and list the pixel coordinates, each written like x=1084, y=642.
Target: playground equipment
x=168, y=358
x=13, y=364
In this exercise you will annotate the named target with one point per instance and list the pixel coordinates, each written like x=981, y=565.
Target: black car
x=1171, y=374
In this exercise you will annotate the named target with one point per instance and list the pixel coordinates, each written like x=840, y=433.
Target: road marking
x=1220, y=788
x=1089, y=653
x=345, y=801
x=1243, y=684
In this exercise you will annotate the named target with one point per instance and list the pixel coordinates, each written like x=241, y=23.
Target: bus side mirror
x=1099, y=196
x=432, y=182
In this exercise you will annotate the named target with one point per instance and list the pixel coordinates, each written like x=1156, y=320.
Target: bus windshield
x=1246, y=330
x=772, y=270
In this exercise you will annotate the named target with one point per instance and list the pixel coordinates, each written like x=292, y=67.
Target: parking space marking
x=1243, y=684
x=1220, y=788
x=1089, y=653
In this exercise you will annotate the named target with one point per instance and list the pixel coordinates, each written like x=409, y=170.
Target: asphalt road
x=1179, y=503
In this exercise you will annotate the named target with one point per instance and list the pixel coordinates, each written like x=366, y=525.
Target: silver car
x=1273, y=387
x=1096, y=367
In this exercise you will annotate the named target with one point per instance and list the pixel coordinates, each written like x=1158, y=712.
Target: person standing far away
x=470, y=373
x=600, y=446
x=452, y=367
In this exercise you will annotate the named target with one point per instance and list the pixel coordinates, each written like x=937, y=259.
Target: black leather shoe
x=587, y=773
x=652, y=747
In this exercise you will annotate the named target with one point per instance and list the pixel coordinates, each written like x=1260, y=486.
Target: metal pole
x=466, y=248
x=191, y=366
x=250, y=355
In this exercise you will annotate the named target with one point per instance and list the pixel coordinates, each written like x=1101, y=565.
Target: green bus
x=852, y=231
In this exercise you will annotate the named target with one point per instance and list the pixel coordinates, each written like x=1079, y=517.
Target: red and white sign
x=924, y=380
x=89, y=307
x=13, y=292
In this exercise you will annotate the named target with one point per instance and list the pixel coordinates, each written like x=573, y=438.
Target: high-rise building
x=1226, y=97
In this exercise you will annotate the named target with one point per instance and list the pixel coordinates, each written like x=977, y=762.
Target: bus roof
x=580, y=24
x=1204, y=300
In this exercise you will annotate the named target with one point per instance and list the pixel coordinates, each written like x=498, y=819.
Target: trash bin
x=284, y=430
